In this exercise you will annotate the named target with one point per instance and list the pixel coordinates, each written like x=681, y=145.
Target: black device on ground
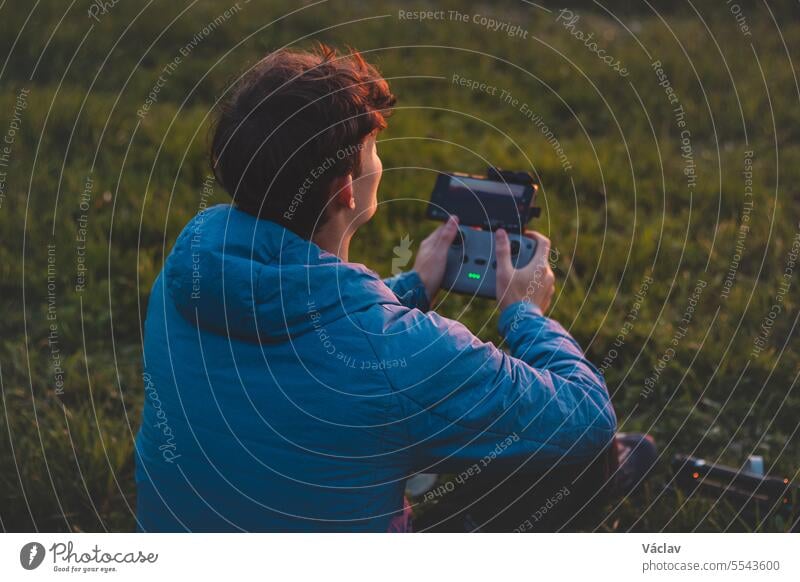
x=752, y=492
x=483, y=204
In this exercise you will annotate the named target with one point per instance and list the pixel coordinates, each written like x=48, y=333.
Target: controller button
x=480, y=261
x=465, y=259
x=494, y=264
x=459, y=240
x=514, y=247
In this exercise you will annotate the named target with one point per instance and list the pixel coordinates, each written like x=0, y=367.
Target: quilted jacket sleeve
x=409, y=290
x=466, y=401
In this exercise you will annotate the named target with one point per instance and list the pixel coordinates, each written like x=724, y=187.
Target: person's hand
x=432, y=256
x=534, y=282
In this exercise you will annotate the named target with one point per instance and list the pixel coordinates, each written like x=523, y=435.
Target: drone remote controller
x=484, y=204
x=471, y=263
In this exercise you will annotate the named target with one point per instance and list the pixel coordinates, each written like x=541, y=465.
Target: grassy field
x=669, y=166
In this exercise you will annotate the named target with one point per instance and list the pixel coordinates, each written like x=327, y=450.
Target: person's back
x=273, y=414
x=287, y=389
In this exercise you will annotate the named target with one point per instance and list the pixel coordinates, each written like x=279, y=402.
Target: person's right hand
x=535, y=282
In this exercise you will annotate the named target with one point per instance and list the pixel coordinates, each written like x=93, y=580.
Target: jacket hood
x=254, y=279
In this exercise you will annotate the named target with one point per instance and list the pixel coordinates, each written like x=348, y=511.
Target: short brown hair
x=294, y=123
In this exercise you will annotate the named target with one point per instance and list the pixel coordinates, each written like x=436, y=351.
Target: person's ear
x=343, y=186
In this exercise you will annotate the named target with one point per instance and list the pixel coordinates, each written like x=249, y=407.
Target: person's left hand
x=432, y=256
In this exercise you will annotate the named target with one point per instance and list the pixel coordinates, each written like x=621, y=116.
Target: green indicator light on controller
x=473, y=275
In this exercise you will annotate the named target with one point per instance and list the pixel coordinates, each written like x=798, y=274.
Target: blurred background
x=664, y=136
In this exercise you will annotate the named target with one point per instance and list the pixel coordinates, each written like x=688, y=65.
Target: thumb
x=448, y=231
x=503, y=252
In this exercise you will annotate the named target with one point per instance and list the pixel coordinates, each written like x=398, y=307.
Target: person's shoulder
x=381, y=317
x=401, y=327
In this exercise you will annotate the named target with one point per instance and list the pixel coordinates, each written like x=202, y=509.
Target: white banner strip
x=401, y=558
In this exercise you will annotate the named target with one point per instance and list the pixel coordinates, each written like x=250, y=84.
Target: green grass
x=623, y=212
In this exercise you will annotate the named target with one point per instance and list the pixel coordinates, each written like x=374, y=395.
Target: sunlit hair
x=290, y=116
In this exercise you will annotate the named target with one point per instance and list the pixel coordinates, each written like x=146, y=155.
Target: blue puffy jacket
x=286, y=390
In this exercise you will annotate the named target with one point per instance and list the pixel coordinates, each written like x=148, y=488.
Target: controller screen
x=479, y=202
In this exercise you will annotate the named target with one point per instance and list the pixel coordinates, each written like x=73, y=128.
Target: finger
x=447, y=232
x=542, y=247
x=439, y=231
x=502, y=251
